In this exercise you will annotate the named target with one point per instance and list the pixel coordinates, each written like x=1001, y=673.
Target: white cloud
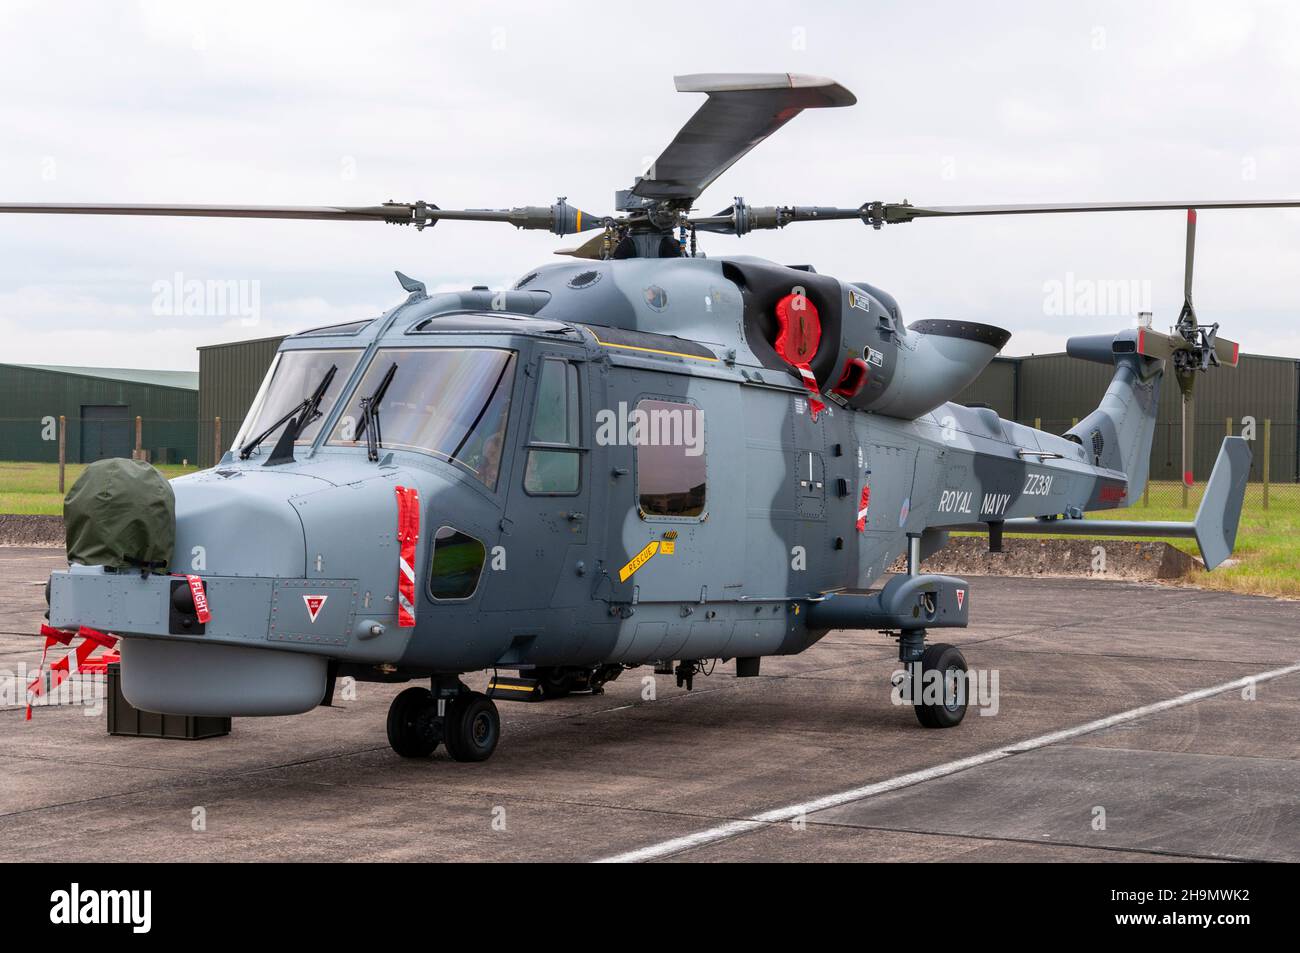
x=512, y=104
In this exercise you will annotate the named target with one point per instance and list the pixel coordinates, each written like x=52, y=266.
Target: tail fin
x=1118, y=434
x=1220, y=509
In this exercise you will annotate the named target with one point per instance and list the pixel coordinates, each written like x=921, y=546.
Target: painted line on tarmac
x=780, y=815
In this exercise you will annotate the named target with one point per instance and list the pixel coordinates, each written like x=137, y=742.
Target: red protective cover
x=797, y=341
x=408, y=533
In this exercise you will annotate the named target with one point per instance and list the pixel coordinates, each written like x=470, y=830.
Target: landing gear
x=473, y=727
x=942, y=701
x=934, y=679
x=414, y=728
x=556, y=681
x=560, y=680
x=466, y=722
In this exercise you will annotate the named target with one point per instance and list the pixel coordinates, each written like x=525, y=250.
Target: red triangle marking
x=314, y=604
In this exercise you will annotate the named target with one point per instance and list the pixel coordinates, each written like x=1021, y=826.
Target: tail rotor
x=1198, y=350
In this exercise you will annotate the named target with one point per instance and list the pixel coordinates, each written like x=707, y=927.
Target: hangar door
x=105, y=432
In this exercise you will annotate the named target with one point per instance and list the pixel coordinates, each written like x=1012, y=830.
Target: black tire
x=947, y=659
x=412, y=727
x=556, y=682
x=473, y=727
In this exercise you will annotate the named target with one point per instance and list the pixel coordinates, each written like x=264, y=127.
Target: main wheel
x=950, y=709
x=556, y=681
x=473, y=727
x=412, y=723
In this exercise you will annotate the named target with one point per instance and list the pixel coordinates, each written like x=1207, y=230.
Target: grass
x=33, y=488
x=1266, y=560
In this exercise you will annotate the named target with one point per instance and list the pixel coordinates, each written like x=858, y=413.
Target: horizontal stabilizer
x=1215, y=526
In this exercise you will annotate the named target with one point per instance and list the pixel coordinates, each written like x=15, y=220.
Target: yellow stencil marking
x=639, y=560
x=667, y=547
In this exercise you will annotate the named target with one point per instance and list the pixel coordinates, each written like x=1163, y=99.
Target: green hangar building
x=100, y=405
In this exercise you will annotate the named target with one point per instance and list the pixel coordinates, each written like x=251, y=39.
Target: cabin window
x=670, y=473
x=456, y=564
x=550, y=470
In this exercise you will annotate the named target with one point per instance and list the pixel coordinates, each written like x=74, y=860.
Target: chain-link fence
x=100, y=433
x=41, y=457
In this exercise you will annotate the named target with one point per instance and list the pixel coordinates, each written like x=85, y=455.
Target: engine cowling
x=909, y=370
x=864, y=358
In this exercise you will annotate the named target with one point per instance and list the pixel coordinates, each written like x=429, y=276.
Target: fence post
x=1268, y=433
x=139, y=438
x=1038, y=423
x=63, y=449
x=216, y=440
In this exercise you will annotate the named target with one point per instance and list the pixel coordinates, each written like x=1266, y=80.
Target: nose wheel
x=465, y=722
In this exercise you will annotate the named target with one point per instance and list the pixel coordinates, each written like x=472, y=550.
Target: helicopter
x=641, y=455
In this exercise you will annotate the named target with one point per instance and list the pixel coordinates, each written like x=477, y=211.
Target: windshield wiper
x=370, y=416
x=297, y=419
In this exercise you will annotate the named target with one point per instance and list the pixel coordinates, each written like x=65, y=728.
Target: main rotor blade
x=742, y=110
x=391, y=212
x=560, y=218
x=906, y=212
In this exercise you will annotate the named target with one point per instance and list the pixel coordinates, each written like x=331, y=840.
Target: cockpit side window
x=456, y=564
x=554, y=463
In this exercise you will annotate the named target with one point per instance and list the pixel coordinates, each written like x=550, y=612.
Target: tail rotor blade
x=1228, y=352
x=1191, y=255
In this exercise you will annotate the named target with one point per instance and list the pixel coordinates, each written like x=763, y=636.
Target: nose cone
x=241, y=522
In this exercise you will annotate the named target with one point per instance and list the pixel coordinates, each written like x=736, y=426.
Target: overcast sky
x=490, y=105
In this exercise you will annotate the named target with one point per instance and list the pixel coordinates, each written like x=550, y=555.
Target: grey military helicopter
x=645, y=456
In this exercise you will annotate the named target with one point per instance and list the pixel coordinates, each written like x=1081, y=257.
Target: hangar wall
x=100, y=405
x=229, y=375
x=1057, y=389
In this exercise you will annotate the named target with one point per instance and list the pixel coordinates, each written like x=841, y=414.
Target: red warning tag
x=200, y=599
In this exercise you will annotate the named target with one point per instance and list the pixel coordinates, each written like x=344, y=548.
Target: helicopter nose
x=242, y=524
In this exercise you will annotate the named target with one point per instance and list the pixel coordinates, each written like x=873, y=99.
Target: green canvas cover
x=122, y=514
